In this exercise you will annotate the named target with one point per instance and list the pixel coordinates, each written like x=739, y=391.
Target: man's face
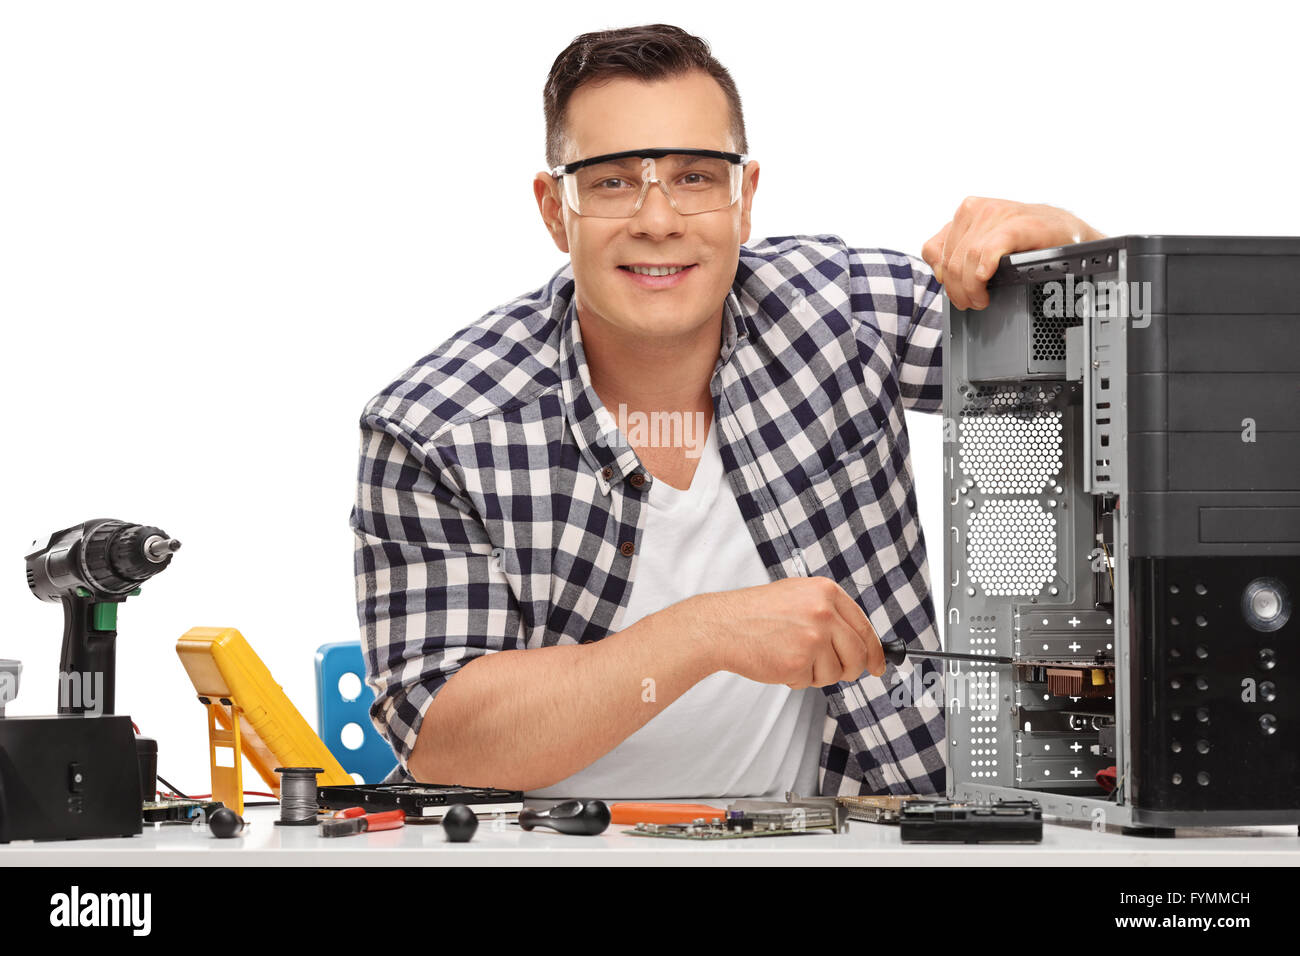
x=622, y=114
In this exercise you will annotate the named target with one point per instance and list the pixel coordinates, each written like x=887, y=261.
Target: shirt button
x=607, y=474
x=627, y=548
x=637, y=480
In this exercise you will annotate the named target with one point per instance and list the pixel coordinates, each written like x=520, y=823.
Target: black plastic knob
x=459, y=824
x=225, y=823
x=895, y=651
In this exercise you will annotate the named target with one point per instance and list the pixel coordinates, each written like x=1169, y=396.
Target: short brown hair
x=651, y=52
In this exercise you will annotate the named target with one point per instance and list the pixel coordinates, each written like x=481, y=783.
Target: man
x=554, y=603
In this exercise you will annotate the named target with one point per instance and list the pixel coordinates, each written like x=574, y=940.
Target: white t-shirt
x=727, y=736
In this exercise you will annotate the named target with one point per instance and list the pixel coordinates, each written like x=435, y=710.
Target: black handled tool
x=92, y=568
x=896, y=652
x=580, y=817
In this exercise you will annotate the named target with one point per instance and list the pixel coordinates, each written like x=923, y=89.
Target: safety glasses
x=614, y=185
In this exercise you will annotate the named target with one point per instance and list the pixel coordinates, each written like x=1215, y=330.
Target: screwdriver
x=579, y=817
x=896, y=652
x=633, y=813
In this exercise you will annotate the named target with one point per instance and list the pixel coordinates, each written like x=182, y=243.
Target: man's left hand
x=965, y=252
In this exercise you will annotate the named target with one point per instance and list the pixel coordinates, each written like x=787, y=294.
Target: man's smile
x=649, y=275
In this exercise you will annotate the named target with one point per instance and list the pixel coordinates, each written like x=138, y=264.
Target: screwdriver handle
x=579, y=817
x=895, y=651
x=387, y=820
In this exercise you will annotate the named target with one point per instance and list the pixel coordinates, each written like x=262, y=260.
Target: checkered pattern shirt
x=494, y=508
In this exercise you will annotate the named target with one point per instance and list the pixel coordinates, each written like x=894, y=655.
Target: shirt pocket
x=858, y=517
x=858, y=476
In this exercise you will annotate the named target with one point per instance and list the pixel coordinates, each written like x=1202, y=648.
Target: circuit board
x=868, y=809
x=743, y=824
x=178, y=811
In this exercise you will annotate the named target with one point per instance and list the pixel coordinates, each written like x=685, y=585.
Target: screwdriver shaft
x=954, y=656
x=896, y=651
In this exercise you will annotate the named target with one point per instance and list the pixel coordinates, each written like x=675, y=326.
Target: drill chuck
x=105, y=557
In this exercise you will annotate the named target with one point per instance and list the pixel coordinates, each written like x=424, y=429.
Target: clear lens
x=613, y=190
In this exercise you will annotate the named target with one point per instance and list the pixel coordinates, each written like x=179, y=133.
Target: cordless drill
x=92, y=568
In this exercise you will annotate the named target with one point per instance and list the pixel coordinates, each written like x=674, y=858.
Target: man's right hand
x=526, y=718
x=801, y=632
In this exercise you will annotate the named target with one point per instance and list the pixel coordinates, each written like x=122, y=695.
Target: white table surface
x=865, y=844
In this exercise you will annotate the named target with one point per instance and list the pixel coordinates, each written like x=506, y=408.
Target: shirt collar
x=594, y=427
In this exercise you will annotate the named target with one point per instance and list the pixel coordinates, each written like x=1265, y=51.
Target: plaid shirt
x=494, y=509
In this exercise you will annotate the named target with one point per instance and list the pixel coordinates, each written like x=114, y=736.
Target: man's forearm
x=526, y=719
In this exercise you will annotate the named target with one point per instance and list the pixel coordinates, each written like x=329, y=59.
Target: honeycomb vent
x=1011, y=546
x=1047, y=332
x=1011, y=454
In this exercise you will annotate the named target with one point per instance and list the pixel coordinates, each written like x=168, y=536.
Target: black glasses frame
x=656, y=153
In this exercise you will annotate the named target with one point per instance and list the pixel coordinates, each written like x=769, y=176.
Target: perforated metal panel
x=1047, y=332
x=985, y=758
x=1011, y=546
x=1010, y=442
x=979, y=691
x=1014, y=454
x=1029, y=398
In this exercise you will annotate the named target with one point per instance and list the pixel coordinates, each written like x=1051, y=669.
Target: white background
x=224, y=226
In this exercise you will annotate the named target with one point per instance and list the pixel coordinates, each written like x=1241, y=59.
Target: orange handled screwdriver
x=634, y=813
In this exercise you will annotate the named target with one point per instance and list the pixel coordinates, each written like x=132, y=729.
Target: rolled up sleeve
x=430, y=595
x=905, y=303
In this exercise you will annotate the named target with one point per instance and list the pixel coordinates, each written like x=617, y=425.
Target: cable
x=175, y=792
x=1109, y=571
x=247, y=793
x=297, y=795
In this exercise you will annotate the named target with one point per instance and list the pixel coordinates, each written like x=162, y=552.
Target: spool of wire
x=297, y=796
